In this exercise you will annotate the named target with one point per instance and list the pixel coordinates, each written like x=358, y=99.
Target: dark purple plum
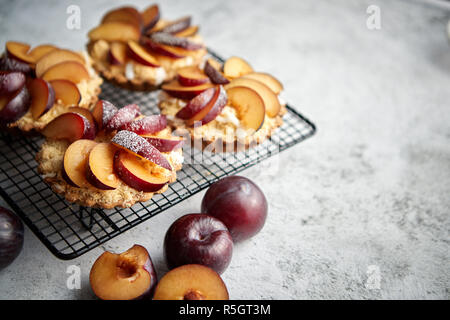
x=11, y=82
x=198, y=239
x=239, y=204
x=9, y=64
x=11, y=237
x=13, y=109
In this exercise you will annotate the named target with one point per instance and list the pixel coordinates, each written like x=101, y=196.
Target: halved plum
x=71, y=126
x=191, y=282
x=100, y=167
x=42, y=97
x=126, y=276
x=139, y=146
x=134, y=172
x=75, y=161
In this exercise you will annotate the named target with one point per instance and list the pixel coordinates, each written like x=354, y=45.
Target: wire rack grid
x=69, y=230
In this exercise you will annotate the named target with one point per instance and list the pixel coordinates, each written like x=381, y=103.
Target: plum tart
x=109, y=157
x=138, y=50
x=225, y=107
x=39, y=84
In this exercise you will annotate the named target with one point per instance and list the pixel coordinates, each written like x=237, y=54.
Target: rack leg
x=81, y=216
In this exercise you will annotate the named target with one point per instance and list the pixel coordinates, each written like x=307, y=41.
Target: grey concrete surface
x=359, y=211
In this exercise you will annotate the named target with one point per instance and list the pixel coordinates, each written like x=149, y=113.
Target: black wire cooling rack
x=69, y=231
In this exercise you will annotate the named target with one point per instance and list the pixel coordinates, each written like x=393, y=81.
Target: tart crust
x=215, y=136
x=50, y=160
x=90, y=90
x=98, y=51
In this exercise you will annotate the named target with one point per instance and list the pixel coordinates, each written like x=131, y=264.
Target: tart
x=227, y=107
x=139, y=51
x=48, y=80
x=114, y=158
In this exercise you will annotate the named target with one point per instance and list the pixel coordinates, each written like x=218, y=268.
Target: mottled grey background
x=365, y=199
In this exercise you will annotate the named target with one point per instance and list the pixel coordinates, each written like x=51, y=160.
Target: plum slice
x=56, y=57
x=42, y=97
x=100, y=167
x=142, y=56
x=13, y=109
x=71, y=126
x=249, y=106
x=150, y=17
x=19, y=51
x=177, y=25
x=140, y=147
x=134, y=172
x=175, y=89
x=103, y=112
x=271, y=102
x=174, y=41
x=165, y=144
x=66, y=91
x=147, y=125
x=115, y=31
x=212, y=70
x=75, y=161
x=123, y=116
x=191, y=76
x=236, y=67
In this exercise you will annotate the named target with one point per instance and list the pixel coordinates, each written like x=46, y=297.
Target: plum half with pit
x=126, y=276
x=11, y=237
x=198, y=239
x=239, y=203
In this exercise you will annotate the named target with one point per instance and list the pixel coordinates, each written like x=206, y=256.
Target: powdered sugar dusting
x=148, y=124
x=123, y=116
x=139, y=145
